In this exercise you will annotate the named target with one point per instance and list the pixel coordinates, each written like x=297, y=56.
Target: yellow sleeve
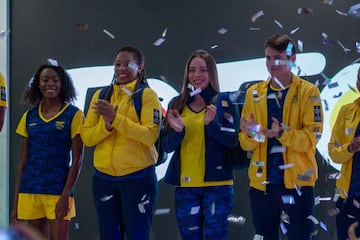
x=93, y=130
x=311, y=126
x=339, y=142
x=77, y=123
x=247, y=143
x=21, y=128
x=147, y=130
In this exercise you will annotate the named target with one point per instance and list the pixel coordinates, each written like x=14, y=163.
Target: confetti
x=234, y=97
x=53, y=62
x=289, y=49
x=193, y=228
x=127, y=91
x=133, y=66
x=226, y=129
x=163, y=35
x=257, y=15
x=323, y=226
x=254, y=29
x=285, y=126
x=288, y=199
x=285, y=166
x=341, y=13
x=305, y=11
x=212, y=210
x=194, y=210
x=356, y=203
x=159, y=41
x=259, y=138
x=298, y=189
x=279, y=62
x=277, y=149
x=278, y=23
x=213, y=46
x=313, y=219
x=357, y=46
x=307, y=175
x=222, y=31
x=346, y=50
x=109, y=33
x=300, y=45
x=283, y=228
x=196, y=91
x=162, y=211
x=294, y=30
x=284, y=217
x=278, y=82
x=141, y=206
x=236, y=219
x=354, y=11
x=106, y=198
x=162, y=77
x=335, y=176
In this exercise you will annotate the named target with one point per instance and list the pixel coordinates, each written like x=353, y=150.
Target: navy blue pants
x=267, y=207
x=124, y=205
x=202, y=212
x=349, y=213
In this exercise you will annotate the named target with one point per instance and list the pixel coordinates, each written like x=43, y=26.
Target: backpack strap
x=138, y=99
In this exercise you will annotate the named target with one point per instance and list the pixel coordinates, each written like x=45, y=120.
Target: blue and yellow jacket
x=302, y=113
x=347, y=118
x=129, y=147
x=217, y=168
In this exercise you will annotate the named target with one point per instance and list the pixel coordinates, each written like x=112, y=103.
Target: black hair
x=32, y=93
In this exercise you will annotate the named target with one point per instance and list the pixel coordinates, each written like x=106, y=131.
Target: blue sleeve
x=225, y=127
x=172, y=140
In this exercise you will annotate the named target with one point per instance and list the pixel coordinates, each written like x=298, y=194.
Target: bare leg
x=59, y=229
x=41, y=225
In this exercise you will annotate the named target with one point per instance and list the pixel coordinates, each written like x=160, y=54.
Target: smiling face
x=198, y=73
x=126, y=67
x=277, y=63
x=49, y=84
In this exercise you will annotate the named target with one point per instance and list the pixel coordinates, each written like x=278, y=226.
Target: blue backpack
x=106, y=93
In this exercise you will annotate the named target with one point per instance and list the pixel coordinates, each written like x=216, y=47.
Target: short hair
x=280, y=42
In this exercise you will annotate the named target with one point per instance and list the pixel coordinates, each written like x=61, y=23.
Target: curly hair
x=33, y=95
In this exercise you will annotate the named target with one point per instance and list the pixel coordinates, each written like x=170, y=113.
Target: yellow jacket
x=302, y=105
x=129, y=147
x=343, y=132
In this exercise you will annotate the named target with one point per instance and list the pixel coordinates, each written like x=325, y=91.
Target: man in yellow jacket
x=344, y=149
x=281, y=123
